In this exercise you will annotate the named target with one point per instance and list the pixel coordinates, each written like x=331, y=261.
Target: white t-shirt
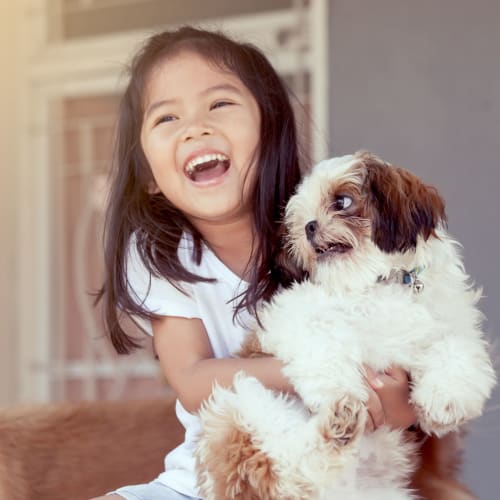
x=210, y=302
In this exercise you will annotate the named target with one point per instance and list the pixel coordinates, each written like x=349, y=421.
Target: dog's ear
x=403, y=207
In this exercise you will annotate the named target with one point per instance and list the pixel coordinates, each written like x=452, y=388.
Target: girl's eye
x=220, y=104
x=165, y=118
x=342, y=202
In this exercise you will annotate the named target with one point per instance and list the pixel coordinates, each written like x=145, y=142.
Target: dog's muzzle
x=323, y=248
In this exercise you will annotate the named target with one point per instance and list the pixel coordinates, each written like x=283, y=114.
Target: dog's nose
x=310, y=228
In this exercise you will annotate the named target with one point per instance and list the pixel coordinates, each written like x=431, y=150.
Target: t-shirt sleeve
x=157, y=295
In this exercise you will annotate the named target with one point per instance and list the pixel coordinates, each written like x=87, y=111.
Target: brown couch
x=75, y=451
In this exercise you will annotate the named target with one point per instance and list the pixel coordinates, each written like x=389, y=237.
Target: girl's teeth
x=190, y=167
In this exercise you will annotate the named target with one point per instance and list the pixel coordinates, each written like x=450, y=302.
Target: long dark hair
x=156, y=223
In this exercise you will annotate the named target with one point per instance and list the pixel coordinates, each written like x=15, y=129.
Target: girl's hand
x=388, y=401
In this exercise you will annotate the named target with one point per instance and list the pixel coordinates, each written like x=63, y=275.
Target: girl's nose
x=194, y=131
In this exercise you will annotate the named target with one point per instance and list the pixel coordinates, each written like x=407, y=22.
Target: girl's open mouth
x=207, y=167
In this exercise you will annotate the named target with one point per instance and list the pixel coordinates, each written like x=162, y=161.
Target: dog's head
x=355, y=208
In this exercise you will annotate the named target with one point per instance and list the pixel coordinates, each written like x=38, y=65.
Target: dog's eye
x=342, y=202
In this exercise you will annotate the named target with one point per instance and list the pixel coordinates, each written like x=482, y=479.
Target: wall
x=419, y=84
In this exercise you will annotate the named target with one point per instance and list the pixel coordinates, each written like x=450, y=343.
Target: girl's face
x=200, y=135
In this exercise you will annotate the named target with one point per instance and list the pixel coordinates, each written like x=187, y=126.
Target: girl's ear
x=402, y=207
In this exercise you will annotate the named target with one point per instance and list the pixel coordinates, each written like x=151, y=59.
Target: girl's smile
x=205, y=166
x=200, y=135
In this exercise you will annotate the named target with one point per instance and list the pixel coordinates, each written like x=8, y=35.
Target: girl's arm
x=187, y=361
x=189, y=365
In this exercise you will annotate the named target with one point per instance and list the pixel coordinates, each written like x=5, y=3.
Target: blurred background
x=418, y=83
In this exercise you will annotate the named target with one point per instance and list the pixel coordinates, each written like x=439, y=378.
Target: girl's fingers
x=388, y=400
x=375, y=410
x=373, y=378
x=397, y=373
x=369, y=425
x=393, y=394
x=373, y=405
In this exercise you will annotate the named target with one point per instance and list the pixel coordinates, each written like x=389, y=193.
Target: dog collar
x=407, y=278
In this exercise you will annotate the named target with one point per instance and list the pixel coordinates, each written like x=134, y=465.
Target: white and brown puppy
x=386, y=287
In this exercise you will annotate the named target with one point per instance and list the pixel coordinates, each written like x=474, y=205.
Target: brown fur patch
x=240, y=470
x=251, y=347
x=343, y=423
x=402, y=207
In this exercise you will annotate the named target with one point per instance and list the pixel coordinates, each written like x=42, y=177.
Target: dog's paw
x=341, y=422
x=439, y=411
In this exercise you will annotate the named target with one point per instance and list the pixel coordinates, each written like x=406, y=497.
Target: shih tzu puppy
x=386, y=287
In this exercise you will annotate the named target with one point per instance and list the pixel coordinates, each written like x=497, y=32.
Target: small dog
x=386, y=286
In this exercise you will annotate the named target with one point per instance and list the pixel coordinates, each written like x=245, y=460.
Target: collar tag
x=410, y=278
x=407, y=278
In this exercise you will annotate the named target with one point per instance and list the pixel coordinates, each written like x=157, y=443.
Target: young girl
x=206, y=160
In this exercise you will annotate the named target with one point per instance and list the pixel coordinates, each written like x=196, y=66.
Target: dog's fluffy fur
x=368, y=235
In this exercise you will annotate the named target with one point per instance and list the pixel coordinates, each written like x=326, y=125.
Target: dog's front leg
x=452, y=383
x=328, y=372
x=332, y=387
